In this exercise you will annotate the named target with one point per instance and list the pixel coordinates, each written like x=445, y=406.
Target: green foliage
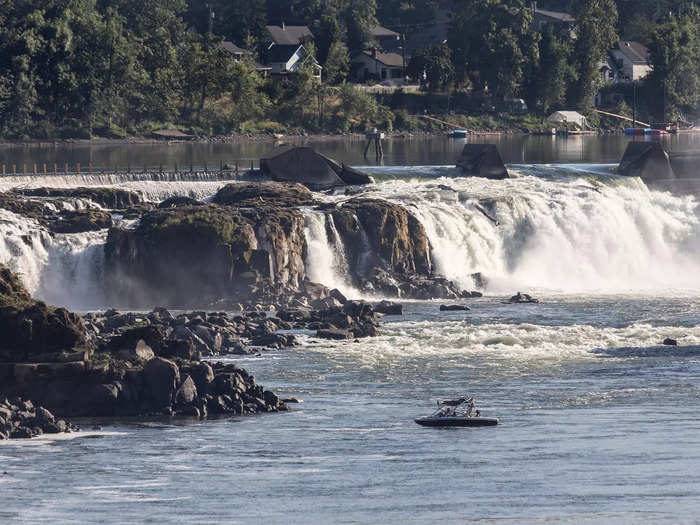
x=595, y=35
x=673, y=87
x=434, y=65
x=491, y=42
x=549, y=77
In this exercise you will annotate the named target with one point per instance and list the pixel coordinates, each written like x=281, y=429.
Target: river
x=598, y=423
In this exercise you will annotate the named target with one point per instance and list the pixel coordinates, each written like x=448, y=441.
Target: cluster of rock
x=48, y=355
x=69, y=210
x=248, y=245
x=21, y=419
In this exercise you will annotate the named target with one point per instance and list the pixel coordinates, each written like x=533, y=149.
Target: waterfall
x=326, y=262
x=60, y=269
x=561, y=233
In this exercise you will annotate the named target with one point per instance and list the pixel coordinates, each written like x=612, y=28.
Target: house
x=285, y=59
x=543, y=17
x=288, y=35
x=631, y=60
x=387, y=39
x=239, y=53
x=568, y=117
x=375, y=65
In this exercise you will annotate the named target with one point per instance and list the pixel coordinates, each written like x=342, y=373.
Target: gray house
x=375, y=65
x=288, y=35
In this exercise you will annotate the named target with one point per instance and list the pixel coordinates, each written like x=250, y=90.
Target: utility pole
x=634, y=104
x=210, y=18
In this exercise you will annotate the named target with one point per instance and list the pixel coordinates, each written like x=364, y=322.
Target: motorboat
x=456, y=413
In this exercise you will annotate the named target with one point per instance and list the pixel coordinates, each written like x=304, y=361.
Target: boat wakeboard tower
x=458, y=412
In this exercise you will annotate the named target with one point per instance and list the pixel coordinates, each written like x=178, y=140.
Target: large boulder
x=267, y=193
x=161, y=377
x=646, y=160
x=312, y=169
x=382, y=234
x=30, y=328
x=77, y=221
x=482, y=160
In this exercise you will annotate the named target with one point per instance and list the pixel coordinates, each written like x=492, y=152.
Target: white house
x=631, y=59
x=286, y=59
x=376, y=65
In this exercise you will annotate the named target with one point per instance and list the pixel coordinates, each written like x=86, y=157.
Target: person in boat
x=478, y=413
x=453, y=402
x=472, y=404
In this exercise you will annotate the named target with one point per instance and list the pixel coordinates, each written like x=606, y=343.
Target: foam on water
x=555, y=228
x=564, y=230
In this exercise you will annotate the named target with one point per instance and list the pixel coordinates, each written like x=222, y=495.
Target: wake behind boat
x=456, y=413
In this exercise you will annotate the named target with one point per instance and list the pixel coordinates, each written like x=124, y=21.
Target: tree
x=337, y=64
x=360, y=18
x=673, y=86
x=549, y=77
x=595, y=35
x=491, y=42
x=432, y=64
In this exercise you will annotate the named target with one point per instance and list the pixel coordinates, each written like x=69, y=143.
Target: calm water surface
x=398, y=151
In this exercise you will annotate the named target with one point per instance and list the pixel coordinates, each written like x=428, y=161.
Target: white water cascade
x=326, y=262
x=564, y=232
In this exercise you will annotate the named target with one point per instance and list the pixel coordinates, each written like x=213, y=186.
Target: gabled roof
x=282, y=52
x=388, y=59
x=379, y=31
x=287, y=35
x=636, y=53
x=556, y=15
x=233, y=48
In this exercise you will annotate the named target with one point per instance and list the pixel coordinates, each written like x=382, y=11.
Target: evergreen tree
x=595, y=35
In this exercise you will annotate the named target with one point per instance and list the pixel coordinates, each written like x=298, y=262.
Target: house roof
x=282, y=52
x=388, y=59
x=288, y=35
x=233, y=48
x=379, y=31
x=556, y=15
x=637, y=53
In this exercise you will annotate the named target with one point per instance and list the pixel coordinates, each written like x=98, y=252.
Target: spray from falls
x=567, y=234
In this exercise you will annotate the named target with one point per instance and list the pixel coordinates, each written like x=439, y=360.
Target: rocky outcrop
x=250, y=242
x=61, y=220
x=194, y=255
x=19, y=418
x=30, y=329
x=110, y=198
x=117, y=364
x=264, y=194
x=381, y=234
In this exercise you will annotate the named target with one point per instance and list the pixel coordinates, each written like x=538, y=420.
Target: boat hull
x=457, y=421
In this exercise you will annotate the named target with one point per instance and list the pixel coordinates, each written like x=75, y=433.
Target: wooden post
x=65, y=169
x=35, y=171
x=77, y=168
x=90, y=167
x=24, y=169
x=3, y=169
x=55, y=168
x=44, y=168
x=14, y=169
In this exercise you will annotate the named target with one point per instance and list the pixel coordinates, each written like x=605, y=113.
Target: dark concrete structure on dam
x=676, y=172
x=482, y=160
